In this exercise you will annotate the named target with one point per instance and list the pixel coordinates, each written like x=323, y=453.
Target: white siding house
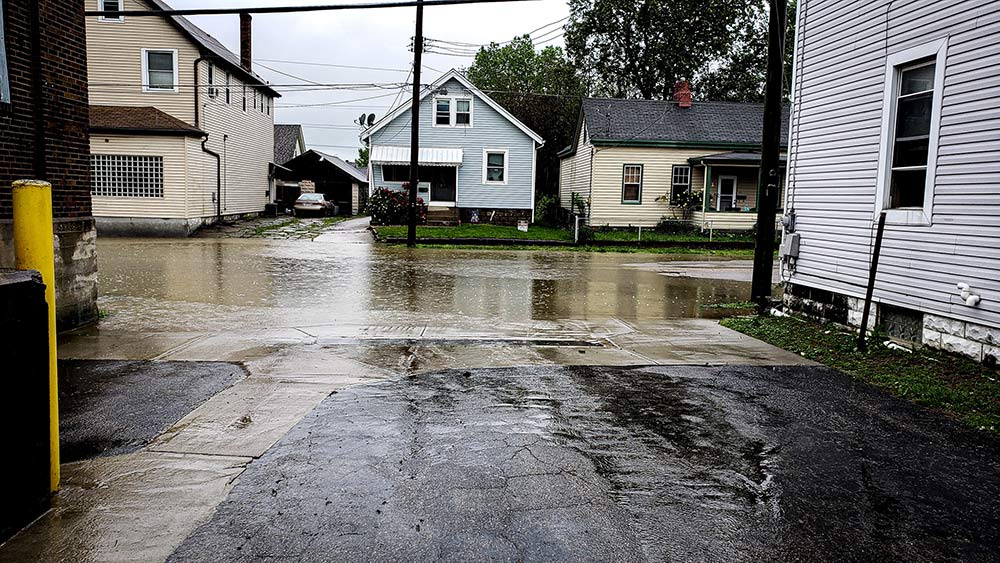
x=896, y=109
x=182, y=131
x=476, y=159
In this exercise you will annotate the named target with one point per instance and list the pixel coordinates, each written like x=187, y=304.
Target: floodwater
x=251, y=283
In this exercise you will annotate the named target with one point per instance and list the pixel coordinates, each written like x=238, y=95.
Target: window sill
x=495, y=183
x=631, y=202
x=916, y=217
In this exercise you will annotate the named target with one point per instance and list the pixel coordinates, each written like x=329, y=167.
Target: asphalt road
x=614, y=464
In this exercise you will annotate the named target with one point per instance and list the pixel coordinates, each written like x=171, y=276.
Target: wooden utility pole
x=770, y=178
x=418, y=47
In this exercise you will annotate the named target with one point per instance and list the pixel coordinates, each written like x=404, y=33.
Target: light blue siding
x=490, y=130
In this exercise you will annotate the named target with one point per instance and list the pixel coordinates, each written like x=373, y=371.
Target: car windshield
x=311, y=197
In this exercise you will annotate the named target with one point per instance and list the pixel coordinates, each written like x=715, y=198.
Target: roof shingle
x=147, y=120
x=285, y=139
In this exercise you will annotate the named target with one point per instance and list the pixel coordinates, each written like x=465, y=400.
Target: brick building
x=44, y=136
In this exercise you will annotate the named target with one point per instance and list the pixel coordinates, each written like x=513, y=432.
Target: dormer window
x=112, y=6
x=442, y=112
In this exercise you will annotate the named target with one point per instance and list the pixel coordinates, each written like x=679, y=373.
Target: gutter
x=205, y=149
x=671, y=144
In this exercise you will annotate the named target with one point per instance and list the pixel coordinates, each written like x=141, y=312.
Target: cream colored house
x=182, y=130
x=631, y=160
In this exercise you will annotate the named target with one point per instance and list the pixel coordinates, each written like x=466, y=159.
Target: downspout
x=205, y=149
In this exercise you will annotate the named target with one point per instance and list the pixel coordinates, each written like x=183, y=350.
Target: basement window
x=119, y=175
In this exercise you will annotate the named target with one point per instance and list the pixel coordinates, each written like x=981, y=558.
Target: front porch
x=729, y=191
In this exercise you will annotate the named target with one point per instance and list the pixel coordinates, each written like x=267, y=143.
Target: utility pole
x=770, y=179
x=418, y=47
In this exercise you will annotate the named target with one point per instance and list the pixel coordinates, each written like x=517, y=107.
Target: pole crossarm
x=287, y=9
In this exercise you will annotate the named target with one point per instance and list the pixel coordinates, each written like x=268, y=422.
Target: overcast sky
x=366, y=38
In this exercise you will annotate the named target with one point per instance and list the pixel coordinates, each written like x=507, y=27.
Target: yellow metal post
x=33, y=250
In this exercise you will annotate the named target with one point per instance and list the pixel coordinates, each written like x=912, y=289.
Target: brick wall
x=64, y=70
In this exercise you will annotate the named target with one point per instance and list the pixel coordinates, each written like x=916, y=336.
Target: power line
x=285, y=9
x=332, y=65
x=337, y=103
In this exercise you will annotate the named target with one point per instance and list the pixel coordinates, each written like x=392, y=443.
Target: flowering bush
x=389, y=207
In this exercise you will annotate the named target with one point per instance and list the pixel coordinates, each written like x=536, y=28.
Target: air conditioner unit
x=213, y=92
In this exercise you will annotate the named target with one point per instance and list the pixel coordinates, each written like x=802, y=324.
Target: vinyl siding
x=606, y=207
x=489, y=130
x=841, y=51
x=574, y=171
x=245, y=140
x=174, y=203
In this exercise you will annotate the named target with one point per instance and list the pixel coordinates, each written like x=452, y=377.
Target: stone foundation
x=75, y=246
x=500, y=216
x=159, y=227
x=974, y=340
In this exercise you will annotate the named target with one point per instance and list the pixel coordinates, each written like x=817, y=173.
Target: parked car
x=313, y=204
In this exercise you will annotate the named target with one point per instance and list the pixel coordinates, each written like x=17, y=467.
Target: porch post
x=705, y=195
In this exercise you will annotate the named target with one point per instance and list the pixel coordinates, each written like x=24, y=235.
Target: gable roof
x=145, y=120
x=663, y=123
x=286, y=137
x=453, y=73
x=313, y=155
x=211, y=46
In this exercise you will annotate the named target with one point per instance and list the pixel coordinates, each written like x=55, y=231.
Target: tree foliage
x=640, y=48
x=362, y=160
x=739, y=76
x=540, y=88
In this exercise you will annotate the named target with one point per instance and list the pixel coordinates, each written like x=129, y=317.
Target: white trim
x=938, y=50
x=506, y=165
x=389, y=117
x=106, y=19
x=718, y=197
x=145, y=71
x=434, y=111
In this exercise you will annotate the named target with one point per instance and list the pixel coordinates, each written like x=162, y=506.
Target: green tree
x=739, y=75
x=540, y=88
x=362, y=160
x=640, y=48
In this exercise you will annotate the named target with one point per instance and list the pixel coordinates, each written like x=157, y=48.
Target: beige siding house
x=897, y=111
x=631, y=159
x=182, y=130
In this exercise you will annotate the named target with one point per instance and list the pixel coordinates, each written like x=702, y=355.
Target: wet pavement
x=368, y=347
x=614, y=464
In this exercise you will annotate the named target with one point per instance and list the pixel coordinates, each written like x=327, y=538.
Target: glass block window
x=118, y=175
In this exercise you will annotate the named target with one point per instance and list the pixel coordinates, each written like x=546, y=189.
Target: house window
x=911, y=135
x=680, y=182
x=109, y=6
x=244, y=98
x=116, y=175
x=463, y=112
x=911, y=117
x=255, y=98
x=442, y=112
x=159, y=67
x=495, y=166
x=632, y=183
x=395, y=173
x=227, y=88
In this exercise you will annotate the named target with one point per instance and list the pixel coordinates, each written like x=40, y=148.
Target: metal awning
x=428, y=156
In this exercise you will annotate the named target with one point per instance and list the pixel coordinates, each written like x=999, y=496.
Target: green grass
x=730, y=253
x=966, y=389
x=535, y=232
x=732, y=305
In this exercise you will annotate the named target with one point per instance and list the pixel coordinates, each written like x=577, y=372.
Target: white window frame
x=506, y=166
x=895, y=63
x=642, y=177
x=673, y=179
x=145, y=71
x=108, y=19
x=454, y=112
x=451, y=112
x=718, y=191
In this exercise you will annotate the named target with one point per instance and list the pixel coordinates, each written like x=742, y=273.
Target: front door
x=443, y=180
x=727, y=194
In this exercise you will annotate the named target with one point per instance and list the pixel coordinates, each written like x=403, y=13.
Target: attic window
x=463, y=112
x=112, y=6
x=442, y=112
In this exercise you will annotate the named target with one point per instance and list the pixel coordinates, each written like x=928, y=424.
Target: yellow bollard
x=33, y=250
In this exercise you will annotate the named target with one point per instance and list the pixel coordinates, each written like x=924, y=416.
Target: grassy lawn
x=535, y=232
x=953, y=384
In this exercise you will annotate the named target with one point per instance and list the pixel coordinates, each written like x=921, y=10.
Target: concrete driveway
x=401, y=404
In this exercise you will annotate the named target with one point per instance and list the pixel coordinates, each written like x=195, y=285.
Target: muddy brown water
x=248, y=283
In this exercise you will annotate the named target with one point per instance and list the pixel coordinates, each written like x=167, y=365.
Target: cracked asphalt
x=614, y=464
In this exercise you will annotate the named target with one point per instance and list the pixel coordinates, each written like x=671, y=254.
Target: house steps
x=443, y=216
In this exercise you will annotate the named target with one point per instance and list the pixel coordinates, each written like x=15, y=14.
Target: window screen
x=160, y=70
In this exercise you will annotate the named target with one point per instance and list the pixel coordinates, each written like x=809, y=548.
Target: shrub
x=585, y=234
x=670, y=225
x=389, y=207
x=547, y=210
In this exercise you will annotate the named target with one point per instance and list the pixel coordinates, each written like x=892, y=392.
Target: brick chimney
x=682, y=93
x=246, y=28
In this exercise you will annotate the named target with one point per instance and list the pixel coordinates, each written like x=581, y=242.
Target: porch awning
x=428, y=156
x=736, y=158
